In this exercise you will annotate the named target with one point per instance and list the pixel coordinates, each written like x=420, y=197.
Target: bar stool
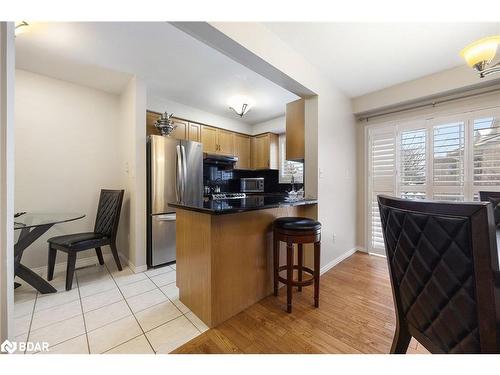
x=296, y=230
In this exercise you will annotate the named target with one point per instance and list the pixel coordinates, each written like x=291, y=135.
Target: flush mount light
x=481, y=53
x=21, y=27
x=240, y=105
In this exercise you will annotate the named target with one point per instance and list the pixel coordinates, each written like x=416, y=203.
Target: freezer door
x=162, y=239
x=192, y=172
x=163, y=173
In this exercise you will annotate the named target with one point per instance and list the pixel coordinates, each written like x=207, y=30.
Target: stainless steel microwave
x=252, y=185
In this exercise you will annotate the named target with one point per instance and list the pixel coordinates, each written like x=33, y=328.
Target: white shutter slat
x=486, y=152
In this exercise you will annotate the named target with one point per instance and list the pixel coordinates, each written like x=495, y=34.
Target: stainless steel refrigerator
x=174, y=174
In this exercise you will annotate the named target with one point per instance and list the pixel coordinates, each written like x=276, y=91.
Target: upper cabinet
x=194, y=132
x=264, y=151
x=295, y=130
x=242, y=151
x=180, y=132
x=217, y=141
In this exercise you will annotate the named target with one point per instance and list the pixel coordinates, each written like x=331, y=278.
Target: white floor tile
x=23, y=308
x=143, y=286
x=56, y=314
x=171, y=291
x=77, y=345
x=158, y=271
x=22, y=324
x=45, y=301
x=202, y=327
x=24, y=293
x=164, y=278
x=127, y=276
x=157, y=315
x=96, y=287
x=172, y=335
x=145, y=300
x=59, y=332
x=174, y=266
x=99, y=300
x=113, y=334
x=181, y=306
x=139, y=345
x=105, y=315
x=19, y=339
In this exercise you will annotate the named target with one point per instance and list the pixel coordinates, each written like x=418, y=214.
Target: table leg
x=34, y=280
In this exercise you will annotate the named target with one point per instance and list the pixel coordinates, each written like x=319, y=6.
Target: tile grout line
x=133, y=314
x=83, y=315
x=31, y=321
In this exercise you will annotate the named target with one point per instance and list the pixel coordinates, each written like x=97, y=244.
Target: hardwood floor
x=356, y=315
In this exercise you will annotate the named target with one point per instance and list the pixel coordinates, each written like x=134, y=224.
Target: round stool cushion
x=297, y=223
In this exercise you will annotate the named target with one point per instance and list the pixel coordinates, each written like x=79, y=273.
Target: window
x=449, y=159
x=289, y=168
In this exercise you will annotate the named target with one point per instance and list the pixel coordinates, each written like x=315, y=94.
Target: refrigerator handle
x=184, y=171
x=178, y=179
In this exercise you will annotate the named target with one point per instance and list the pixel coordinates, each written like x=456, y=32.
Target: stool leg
x=300, y=257
x=276, y=263
x=317, y=256
x=289, y=276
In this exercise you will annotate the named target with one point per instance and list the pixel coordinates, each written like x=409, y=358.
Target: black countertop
x=250, y=203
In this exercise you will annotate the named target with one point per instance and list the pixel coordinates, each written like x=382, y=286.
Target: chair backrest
x=108, y=212
x=442, y=258
x=494, y=198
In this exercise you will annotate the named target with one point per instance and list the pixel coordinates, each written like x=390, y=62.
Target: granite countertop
x=250, y=203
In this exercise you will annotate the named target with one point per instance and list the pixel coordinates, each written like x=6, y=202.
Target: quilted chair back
x=494, y=198
x=108, y=212
x=442, y=258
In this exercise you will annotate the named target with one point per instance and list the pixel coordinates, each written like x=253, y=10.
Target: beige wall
x=275, y=125
x=66, y=149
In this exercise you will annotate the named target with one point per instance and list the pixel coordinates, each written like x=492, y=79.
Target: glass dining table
x=32, y=226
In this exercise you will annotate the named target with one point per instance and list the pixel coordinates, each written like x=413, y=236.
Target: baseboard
x=337, y=260
x=137, y=269
x=81, y=263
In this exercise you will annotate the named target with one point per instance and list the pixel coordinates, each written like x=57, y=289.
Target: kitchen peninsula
x=224, y=252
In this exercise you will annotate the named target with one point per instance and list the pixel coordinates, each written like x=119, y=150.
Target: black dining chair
x=443, y=267
x=105, y=229
x=494, y=198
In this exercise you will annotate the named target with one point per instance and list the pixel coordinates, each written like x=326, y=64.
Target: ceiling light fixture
x=481, y=53
x=240, y=105
x=21, y=27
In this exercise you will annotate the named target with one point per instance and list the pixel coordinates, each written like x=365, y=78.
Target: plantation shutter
x=413, y=164
x=381, y=175
x=486, y=155
x=448, y=161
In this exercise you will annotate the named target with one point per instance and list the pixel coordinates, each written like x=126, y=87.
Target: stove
x=219, y=196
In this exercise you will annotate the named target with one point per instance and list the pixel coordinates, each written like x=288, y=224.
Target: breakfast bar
x=224, y=252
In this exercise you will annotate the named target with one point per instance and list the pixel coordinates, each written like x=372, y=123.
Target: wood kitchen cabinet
x=242, y=151
x=179, y=133
x=194, y=132
x=217, y=141
x=264, y=151
x=295, y=130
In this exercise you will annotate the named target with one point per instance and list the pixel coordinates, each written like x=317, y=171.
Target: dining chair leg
x=276, y=264
x=289, y=276
x=98, y=251
x=401, y=341
x=51, y=263
x=70, y=269
x=317, y=257
x=300, y=259
x=114, y=251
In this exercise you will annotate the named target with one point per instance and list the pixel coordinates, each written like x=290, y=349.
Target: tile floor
x=107, y=311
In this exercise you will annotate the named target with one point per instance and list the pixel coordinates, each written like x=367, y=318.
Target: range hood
x=222, y=160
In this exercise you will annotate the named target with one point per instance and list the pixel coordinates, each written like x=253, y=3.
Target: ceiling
x=365, y=57
x=173, y=64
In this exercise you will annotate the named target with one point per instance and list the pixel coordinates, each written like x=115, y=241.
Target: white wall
x=133, y=146
x=7, y=63
x=158, y=104
x=275, y=125
x=67, y=148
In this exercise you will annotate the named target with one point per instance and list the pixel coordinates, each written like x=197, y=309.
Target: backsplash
x=229, y=180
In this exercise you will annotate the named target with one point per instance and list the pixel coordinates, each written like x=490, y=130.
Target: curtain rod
x=432, y=103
